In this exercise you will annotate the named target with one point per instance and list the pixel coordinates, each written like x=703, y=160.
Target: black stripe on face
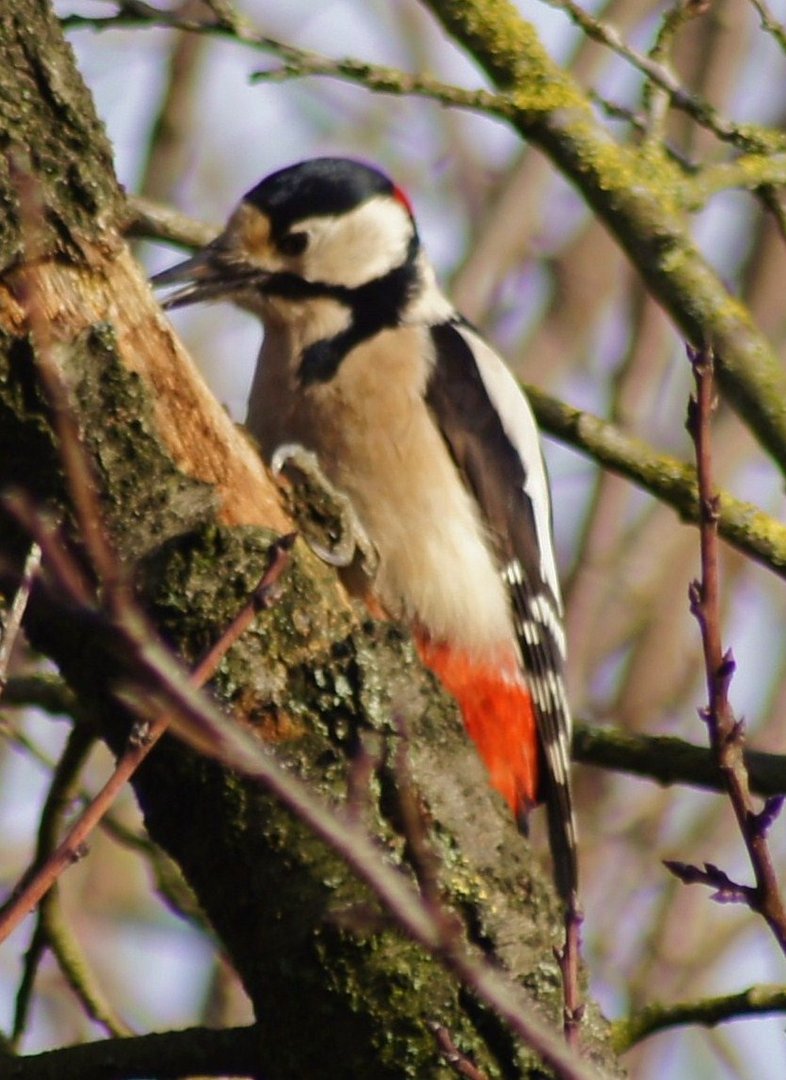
x=375, y=306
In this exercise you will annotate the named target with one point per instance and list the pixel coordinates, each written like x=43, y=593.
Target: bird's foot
x=322, y=511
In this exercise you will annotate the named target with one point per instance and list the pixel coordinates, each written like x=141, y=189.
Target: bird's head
x=329, y=227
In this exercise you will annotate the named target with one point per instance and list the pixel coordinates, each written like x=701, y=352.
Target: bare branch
x=297, y=63
x=726, y=891
x=569, y=960
x=727, y=734
x=150, y=219
x=44, y=691
x=62, y=788
x=453, y=1056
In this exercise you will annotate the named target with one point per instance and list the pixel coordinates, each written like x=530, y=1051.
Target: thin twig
x=52, y=931
x=62, y=789
x=725, y=891
x=150, y=219
x=299, y=63
x=58, y=564
x=769, y=24
x=726, y=732
x=42, y=690
x=656, y=97
x=413, y=826
x=13, y=620
x=459, y=1062
x=743, y=135
x=169, y=882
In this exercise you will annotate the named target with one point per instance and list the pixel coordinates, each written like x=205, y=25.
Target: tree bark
x=336, y=989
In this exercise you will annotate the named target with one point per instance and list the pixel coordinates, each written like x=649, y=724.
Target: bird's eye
x=294, y=243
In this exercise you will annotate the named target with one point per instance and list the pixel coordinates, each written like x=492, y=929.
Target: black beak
x=208, y=275
x=198, y=276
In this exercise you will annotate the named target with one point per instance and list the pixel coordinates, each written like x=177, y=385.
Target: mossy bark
x=336, y=989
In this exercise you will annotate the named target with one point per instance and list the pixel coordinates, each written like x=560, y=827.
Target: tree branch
x=50, y=931
x=44, y=691
x=743, y=525
x=726, y=733
x=166, y=1056
x=755, y=1001
x=668, y=760
x=769, y=23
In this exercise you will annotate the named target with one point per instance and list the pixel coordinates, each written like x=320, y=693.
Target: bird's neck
x=298, y=323
x=427, y=305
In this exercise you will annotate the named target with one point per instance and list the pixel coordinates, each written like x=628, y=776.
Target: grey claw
x=339, y=556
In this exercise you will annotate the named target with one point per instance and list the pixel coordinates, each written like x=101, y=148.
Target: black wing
x=497, y=465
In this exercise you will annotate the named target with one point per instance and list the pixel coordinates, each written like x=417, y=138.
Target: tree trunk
x=336, y=990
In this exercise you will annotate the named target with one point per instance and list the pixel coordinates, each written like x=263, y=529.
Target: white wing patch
x=519, y=424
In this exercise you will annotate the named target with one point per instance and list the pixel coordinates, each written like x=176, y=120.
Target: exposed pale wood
x=197, y=431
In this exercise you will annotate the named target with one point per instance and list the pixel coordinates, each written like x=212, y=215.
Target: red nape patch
x=498, y=715
x=401, y=196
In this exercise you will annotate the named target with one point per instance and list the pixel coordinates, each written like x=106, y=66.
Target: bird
x=369, y=379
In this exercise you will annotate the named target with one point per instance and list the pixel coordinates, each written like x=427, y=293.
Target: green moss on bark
x=50, y=129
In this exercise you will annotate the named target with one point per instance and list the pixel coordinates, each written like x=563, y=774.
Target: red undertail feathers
x=498, y=714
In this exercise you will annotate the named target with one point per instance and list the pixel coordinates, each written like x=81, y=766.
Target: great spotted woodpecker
x=410, y=415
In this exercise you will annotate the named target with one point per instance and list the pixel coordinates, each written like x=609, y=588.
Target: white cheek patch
x=354, y=248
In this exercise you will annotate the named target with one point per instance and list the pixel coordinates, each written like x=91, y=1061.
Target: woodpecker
x=369, y=372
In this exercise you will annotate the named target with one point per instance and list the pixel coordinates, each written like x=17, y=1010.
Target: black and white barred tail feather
x=492, y=436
